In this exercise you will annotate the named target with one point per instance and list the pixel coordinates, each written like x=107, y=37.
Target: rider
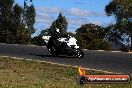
x=54, y=39
x=56, y=34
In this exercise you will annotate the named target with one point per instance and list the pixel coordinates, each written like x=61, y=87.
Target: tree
x=95, y=30
x=6, y=18
x=91, y=36
x=122, y=10
x=60, y=23
x=117, y=37
x=12, y=25
x=37, y=40
x=17, y=22
x=18, y=11
x=30, y=17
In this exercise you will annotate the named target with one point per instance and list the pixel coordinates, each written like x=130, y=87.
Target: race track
x=120, y=62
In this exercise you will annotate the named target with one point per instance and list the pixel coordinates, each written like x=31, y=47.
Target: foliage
x=99, y=44
x=37, y=40
x=91, y=36
x=122, y=10
x=12, y=26
x=60, y=23
x=30, y=18
x=117, y=36
x=6, y=18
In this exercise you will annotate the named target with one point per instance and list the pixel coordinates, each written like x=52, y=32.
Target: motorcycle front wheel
x=53, y=51
x=79, y=53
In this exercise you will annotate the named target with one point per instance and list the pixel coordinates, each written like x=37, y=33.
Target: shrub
x=99, y=44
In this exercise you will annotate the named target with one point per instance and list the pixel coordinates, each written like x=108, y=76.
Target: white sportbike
x=63, y=45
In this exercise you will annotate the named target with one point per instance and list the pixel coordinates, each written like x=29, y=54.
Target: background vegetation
x=17, y=26
x=16, y=23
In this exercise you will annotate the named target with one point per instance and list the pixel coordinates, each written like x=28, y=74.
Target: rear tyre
x=79, y=53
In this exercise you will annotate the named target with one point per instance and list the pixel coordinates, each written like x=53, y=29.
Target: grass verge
x=18, y=73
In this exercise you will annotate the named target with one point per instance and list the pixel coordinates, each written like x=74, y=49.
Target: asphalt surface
x=120, y=62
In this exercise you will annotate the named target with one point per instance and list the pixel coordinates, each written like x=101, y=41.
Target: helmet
x=57, y=30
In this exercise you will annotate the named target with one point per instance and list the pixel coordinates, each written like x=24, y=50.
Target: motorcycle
x=63, y=45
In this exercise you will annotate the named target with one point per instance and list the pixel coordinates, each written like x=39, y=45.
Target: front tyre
x=53, y=51
x=79, y=53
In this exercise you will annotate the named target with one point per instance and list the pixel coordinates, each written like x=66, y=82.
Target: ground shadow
x=60, y=56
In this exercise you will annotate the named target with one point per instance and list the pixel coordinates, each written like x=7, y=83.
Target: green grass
x=16, y=73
